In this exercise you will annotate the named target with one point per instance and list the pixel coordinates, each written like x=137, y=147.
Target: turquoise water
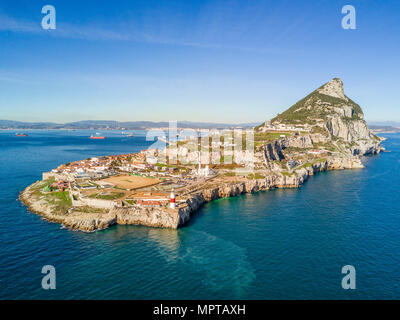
x=282, y=244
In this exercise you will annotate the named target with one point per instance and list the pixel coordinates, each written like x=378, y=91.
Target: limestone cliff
x=273, y=151
x=271, y=181
x=329, y=112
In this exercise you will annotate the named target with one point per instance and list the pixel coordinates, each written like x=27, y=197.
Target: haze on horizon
x=202, y=61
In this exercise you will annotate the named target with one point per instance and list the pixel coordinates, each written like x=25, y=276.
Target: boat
x=21, y=135
x=127, y=134
x=97, y=137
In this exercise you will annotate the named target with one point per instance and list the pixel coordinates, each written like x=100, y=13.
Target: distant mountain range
x=132, y=125
x=116, y=125
x=385, y=126
x=385, y=123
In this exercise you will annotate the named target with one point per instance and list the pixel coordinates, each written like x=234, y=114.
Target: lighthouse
x=172, y=200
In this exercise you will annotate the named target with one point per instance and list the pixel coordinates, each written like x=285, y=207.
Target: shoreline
x=324, y=131
x=179, y=217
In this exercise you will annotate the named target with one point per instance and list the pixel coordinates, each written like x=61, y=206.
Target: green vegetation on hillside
x=38, y=187
x=314, y=106
x=61, y=201
x=109, y=196
x=306, y=110
x=327, y=145
x=263, y=137
x=287, y=174
x=256, y=175
x=306, y=165
x=318, y=129
x=86, y=209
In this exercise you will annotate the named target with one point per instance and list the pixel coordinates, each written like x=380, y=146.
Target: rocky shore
x=175, y=218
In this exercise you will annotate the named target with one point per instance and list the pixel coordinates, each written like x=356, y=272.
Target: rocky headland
x=324, y=131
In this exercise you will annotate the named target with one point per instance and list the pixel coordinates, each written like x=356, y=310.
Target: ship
x=21, y=135
x=97, y=137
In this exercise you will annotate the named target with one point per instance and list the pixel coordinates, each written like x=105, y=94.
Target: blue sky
x=215, y=61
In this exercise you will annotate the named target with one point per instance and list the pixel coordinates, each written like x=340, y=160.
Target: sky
x=215, y=61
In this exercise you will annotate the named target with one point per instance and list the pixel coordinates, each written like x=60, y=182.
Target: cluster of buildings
x=57, y=186
x=99, y=167
x=276, y=126
x=124, y=180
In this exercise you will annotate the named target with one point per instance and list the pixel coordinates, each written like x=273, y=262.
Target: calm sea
x=282, y=244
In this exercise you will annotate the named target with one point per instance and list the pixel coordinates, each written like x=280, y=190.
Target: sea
x=279, y=244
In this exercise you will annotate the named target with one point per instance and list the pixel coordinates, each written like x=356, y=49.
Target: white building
x=204, y=172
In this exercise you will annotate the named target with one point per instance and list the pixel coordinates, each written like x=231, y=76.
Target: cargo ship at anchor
x=21, y=135
x=97, y=137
